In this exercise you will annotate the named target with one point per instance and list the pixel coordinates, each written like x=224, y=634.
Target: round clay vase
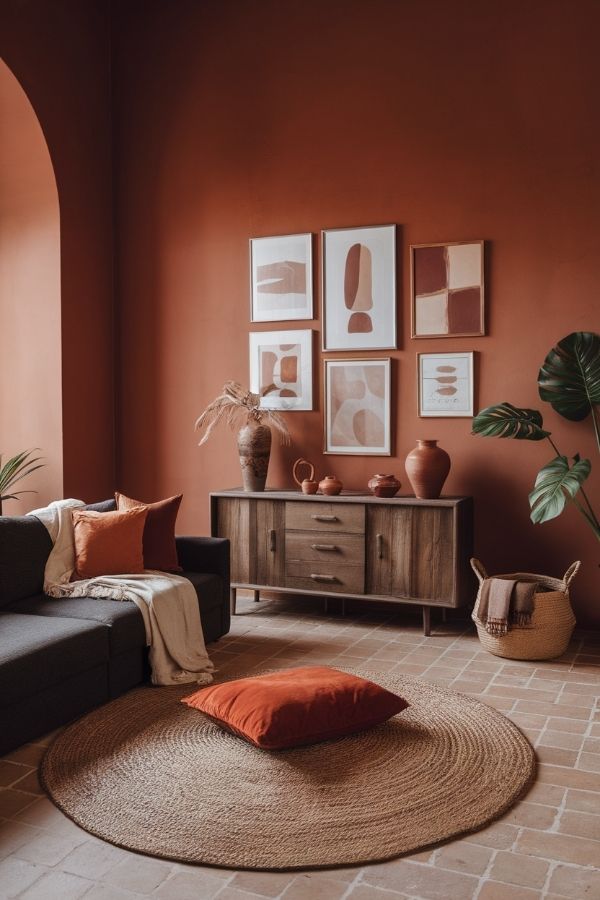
x=254, y=446
x=330, y=485
x=384, y=485
x=427, y=467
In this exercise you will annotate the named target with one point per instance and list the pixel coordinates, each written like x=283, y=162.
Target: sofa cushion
x=108, y=543
x=24, y=548
x=102, y=506
x=158, y=542
x=209, y=589
x=122, y=618
x=38, y=651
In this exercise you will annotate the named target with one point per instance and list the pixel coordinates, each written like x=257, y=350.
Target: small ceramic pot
x=384, y=485
x=307, y=485
x=330, y=485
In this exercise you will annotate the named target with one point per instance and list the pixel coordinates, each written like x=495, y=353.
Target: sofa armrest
x=204, y=554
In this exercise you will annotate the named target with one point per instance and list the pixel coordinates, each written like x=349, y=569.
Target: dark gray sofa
x=59, y=658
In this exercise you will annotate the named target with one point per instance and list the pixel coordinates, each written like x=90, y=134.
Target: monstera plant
x=569, y=380
x=14, y=470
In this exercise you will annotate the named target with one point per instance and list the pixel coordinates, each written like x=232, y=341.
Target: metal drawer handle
x=272, y=540
x=379, y=546
x=325, y=518
x=330, y=579
x=323, y=546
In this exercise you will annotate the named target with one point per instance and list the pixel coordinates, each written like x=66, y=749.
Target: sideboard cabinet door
x=257, y=534
x=411, y=553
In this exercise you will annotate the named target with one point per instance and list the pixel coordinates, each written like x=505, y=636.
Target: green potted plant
x=569, y=380
x=14, y=470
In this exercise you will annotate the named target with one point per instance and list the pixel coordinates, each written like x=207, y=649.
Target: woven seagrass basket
x=552, y=621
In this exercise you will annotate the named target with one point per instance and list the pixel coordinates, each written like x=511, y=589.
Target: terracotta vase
x=254, y=446
x=330, y=485
x=384, y=485
x=427, y=467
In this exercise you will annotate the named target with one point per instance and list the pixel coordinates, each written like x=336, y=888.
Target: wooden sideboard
x=356, y=546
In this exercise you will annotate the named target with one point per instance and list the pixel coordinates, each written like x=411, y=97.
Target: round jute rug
x=150, y=774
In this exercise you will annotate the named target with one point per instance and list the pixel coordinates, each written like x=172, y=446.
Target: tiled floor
x=547, y=846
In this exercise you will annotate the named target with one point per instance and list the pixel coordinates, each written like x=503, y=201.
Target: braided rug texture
x=148, y=773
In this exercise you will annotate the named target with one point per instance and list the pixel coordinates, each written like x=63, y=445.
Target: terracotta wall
x=60, y=54
x=454, y=120
x=30, y=372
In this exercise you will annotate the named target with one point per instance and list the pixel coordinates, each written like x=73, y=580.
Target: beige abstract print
x=281, y=369
x=358, y=406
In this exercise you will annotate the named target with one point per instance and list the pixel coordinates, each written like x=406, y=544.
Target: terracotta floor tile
x=569, y=725
x=426, y=882
x=189, y=885
x=17, y=874
x=526, y=871
x=57, y=886
x=589, y=762
x=11, y=772
x=580, y=823
x=315, y=886
x=265, y=884
x=462, y=856
x=583, y=801
x=493, y=890
x=561, y=847
x=572, y=881
x=533, y=815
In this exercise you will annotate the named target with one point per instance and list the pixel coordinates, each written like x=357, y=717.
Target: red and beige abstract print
x=281, y=278
x=281, y=368
x=448, y=289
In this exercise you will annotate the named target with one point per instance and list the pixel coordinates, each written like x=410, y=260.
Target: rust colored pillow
x=296, y=706
x=160, y=551
x=108, y=543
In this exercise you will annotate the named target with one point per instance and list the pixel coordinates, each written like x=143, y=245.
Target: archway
x=30, y=297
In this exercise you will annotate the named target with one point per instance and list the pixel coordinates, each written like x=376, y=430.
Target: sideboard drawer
x=317, y=516
x=325, y=547
x=324, y=575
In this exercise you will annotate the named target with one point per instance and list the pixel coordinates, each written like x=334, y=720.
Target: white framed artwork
x=281, y=369
x=359, y=288
x=281, y=278
x=445, y=384
x=357, y=407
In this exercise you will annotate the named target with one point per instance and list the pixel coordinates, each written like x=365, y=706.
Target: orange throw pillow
x=108, y=543
x=296, y=706
x=160, y=551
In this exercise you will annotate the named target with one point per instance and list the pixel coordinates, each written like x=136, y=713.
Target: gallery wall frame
x=359, y=288
x=447, y=289
x=445, y=384
x=357, y=405
x=281, y=369
x=281, y=278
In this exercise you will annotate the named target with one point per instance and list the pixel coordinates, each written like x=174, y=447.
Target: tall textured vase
x=427, y=467
x=254, y=445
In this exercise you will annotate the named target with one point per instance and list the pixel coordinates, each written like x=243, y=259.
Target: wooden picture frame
x=447, y=289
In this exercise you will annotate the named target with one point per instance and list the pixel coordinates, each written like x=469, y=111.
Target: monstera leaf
x=555, y=484
x=570, y=375
x=508, y=421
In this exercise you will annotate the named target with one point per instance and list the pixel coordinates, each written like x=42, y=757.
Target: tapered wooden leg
x=256, y=596
x=426, y=621
x=232, y=599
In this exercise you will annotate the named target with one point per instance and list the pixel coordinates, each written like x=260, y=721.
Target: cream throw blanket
x=168, y=603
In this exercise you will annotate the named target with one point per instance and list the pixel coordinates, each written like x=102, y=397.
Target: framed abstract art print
x=281, y=369
x=357, y=407
x=447, y=288
x=445, y=384
x=359, y=288
x=281, y=280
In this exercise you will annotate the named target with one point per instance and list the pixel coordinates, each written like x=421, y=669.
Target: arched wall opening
x=30, y=297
